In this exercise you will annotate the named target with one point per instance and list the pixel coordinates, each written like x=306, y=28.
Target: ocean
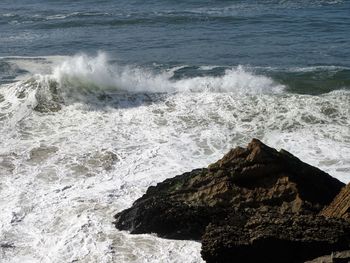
x=101, y=99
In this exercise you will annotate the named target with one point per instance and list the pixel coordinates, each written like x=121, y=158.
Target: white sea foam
x=83, y=72
x=317, y=69
x=82, y=78
x=75, y=14
x=254, y=8
x=64, y=175
x=8, y=15
x=86, y=71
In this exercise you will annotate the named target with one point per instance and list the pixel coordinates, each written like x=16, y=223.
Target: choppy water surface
x=99, y=100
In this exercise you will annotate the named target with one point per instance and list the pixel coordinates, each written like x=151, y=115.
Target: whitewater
x=82, y=137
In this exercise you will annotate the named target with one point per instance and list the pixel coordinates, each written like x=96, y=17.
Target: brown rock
x=340, y=206
x=253, y=177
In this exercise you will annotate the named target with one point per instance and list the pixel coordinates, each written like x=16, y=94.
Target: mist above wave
x=96, y=73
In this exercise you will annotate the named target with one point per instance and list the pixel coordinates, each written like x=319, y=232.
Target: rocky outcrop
x=271, y=237
x=256, y=204
x=340, y=207
x=252, y=177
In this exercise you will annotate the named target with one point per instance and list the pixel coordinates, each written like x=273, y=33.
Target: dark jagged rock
x=340, y=206
x=271, y=237
x=253, y=177
x=334, y=257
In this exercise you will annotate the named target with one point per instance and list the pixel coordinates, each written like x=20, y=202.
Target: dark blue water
x=276, y=37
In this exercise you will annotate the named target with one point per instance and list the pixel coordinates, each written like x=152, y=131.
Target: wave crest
x=92, y=79
x=96, y=73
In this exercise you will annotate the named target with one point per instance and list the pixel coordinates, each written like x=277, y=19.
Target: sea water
x=101, y=99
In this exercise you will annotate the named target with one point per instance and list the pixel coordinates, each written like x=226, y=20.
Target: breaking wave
x=81, y=78
x=47, y=84
x=96, y=73
x=81, y=165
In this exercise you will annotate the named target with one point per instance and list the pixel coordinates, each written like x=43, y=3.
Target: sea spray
x=83, y=77
x=66, y=173
x=96, y=73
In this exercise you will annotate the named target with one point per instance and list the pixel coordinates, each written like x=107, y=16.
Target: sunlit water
x=85, y=132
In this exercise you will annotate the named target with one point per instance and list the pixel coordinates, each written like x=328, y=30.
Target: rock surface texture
x=335, y=257
x=273, y=237
x=256, y=204
x=340, y=207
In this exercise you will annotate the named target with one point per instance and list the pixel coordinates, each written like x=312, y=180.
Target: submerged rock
x=48, y=97
x=256, y=204
x=340, y=207
x=41, y=153
x=252, y=177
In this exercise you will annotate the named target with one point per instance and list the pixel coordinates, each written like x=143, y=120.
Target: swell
x=174, y=18
x=249, y=12
x=81, y=21
x=314, y=80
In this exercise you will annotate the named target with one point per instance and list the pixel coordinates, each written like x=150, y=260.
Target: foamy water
x=120, y=129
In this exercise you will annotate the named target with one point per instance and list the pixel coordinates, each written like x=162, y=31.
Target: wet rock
x=6, y=245
x=245, y=178
x=47, y=106
x=41, y=153
x=48, y=98
x=7, y=162
x=100, y=159
x=340, y=206
x=272, y=237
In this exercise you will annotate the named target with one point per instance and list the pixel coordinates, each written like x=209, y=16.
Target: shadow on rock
x=254, y=203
